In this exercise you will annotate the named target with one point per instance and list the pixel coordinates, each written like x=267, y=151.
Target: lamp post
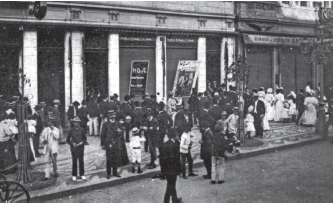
x=320, y=54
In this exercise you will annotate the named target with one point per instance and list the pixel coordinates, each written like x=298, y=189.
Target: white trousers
x=218, y=166
x=93, y=125
x=136, y=155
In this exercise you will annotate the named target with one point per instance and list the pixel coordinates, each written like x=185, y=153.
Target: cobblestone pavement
x=298, y=175
x=95, y=160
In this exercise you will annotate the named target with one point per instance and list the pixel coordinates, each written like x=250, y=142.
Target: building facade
x=82, y=45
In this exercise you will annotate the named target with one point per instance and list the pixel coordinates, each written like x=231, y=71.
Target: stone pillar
x=275, y=67
x=231, y=56
x=160, y=66
x=77, y=67
x=223, y=60
x=202, y=65
x=30, y=65
x=67, y=71
x=113, y=70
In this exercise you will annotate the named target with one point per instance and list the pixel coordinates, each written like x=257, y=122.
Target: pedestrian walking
x=219, y=146
x=50, y=137
x=83, y=115
x=170, y=166
x=300, y=104
x=110, y=141
x=258, y=115
x=76, y=138
x=93, y=112
x=39, y=128
x=56, y=113
x=194, y=107
x=135, y=145
x=206, y=145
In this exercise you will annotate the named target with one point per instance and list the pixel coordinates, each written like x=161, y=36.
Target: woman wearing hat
x=309, y=116
x=279, y=108
x=7, y=149
x=76, y=138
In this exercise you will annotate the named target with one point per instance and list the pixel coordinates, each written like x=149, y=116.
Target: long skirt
x=122, y=157
x=278, y=111
x=7, y=156
x=309, y=116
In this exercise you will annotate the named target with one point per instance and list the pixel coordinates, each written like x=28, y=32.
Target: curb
x=75, y=191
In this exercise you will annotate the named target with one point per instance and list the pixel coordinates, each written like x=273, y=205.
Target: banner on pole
x=139, y=77
x=186, y=77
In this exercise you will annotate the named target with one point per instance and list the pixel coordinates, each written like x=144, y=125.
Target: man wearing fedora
x=56, y=113
x=42, y=113
x=39, y=128
x=103, y=111
x=110, y=141
x=83, y=115
x=73, y=111
x=93, y=112
x=258, y=114
x=50, y=137
x=77, y=138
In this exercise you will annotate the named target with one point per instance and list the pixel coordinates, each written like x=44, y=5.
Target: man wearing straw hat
x=110, y=141
x=76, y=138
x=49, y=137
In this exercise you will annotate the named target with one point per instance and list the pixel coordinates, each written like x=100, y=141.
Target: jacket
x=219, y=145
x=76, y=135
x=93, y=109
x=169, y=158
x=110, y=135
x=56, y=114
x=138, y=117
x=164, y=119
x=39, y=125
x=260, y=107
x=83, y=115
x=136, y=141
x=206, y=145
x=52, y=137
x=194, y=103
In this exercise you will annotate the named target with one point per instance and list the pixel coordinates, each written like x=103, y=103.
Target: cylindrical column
x=113, y=70
x=161, y=74
x=320, y=127
x=231, y=56
x=223, y=43
x=202, y=65
x=30, y=65
x=77, y=67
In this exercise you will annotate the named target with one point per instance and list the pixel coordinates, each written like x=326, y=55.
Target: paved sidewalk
x=280, y=136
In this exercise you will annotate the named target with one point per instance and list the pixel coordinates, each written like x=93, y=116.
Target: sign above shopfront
x=139, y=76
x=276, y=40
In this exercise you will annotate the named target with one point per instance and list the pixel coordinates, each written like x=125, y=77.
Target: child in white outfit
x=248, y=122
x=135, y=145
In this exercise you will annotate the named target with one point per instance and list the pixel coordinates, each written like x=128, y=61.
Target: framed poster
x=139, y=77
x=186, y=77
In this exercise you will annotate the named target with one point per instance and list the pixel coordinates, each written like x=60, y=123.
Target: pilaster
x=160, y=66
x=231, y=56
x=67, y=66
x=223, y=60
x=113, y=70
x=77, y=67
x=202, y=64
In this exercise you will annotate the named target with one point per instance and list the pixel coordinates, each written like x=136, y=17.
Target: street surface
x=302, y=174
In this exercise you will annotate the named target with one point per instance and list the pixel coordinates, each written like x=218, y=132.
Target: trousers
x=258, y=124
x=218, y=166
x=78, y=153
x=111, y=160
x=36, y=143
x=187, y=157
x=104, y=119
x=193, y=116
x=50, y=158
x=93, y=126
x=171, y=188
x=207, y=159
x=152, y=147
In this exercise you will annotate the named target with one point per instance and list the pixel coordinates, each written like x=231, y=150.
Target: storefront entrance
x=213, y=60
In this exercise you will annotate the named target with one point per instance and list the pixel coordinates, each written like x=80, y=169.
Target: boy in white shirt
x=185, y=151
x=135, y=145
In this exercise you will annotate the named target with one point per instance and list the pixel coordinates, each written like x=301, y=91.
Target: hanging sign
x=139, y=76
x=275, y=40
x=186, y=77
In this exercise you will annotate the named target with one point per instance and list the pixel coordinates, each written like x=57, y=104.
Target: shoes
x=179, y=200
x=74, y=178
x=108, y=177
x=185, y=177
x=207, y=177
x=45, y=179
x=213, y=182
x=133, y=170
x=152, y=167
x=220, y=182
x=83, y=177
x=192, y=175
x=162, y=177
x=139, y=170
x=62, y=142
x=117, y=175
x=86, y=143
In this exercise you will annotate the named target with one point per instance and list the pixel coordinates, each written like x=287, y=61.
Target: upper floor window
x=316, y=4
x=304, y=3
x=285, y=2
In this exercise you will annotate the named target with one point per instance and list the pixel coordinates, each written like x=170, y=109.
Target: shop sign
x=275, y=40
x=178, y=40
x=186, y=77
x=124, y=38
x=139, y=76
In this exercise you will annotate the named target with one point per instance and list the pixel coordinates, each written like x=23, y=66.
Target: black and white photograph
x=166, y=102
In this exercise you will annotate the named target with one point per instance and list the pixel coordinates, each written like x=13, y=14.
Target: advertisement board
x=139, y=77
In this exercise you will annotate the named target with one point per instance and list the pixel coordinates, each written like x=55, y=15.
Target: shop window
x=285, y=2
x=316, y=4
x=304, y=3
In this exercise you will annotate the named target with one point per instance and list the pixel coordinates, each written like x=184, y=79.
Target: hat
x=256, y=95
x=224, y=113
x=147, y=95
x=84, y=102
x=311, y=92
x=115, y=95
x=76, y=103
x=128, y=118
x=37, y=108
x=281, y=88
x=269, y=90
x=76, y=119
x=250, y=109
x=127, y=97
x=161, y=104
x=135, y=130
x=112, y=112
x=42, y=104
x=56, y=101
x=217, y=128
x=11, y=116
x=236, y=108
x=171, y=133
x=153, y=96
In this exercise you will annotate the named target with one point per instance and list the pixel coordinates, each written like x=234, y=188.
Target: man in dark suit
x=205, y=116
x=83, y=115
x=258, y=114
x=247, y=99
x=300, y=104
x=73, y=111
x=203, y=98
x=110, y=141
x=39, y=129
x=194, y=108
x=215, y=111
x=170, y=166
x=125, y=107
x=205, y=151
x=165, y=122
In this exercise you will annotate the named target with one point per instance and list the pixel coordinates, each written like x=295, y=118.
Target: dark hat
x=11, y=116
x=205, y=124
x=111, y=112
x=171, y=133
x=111, y=97
x=115, y=95
x=127, y=97
x=161, y=104
x=206, y=104
x=76, y=103
x=76, y=119
x=37, y=108
x=200, y=93
x=25, y=99
x=137, y=103
x=153, y=96
x=135, y=130
x=223, y=85
x=84, y=102
x=217, y=128
x=205, y=93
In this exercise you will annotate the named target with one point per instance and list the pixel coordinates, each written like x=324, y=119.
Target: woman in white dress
x=262, y=98
x=279, y=108
x=270, y=104
x=309, y=116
